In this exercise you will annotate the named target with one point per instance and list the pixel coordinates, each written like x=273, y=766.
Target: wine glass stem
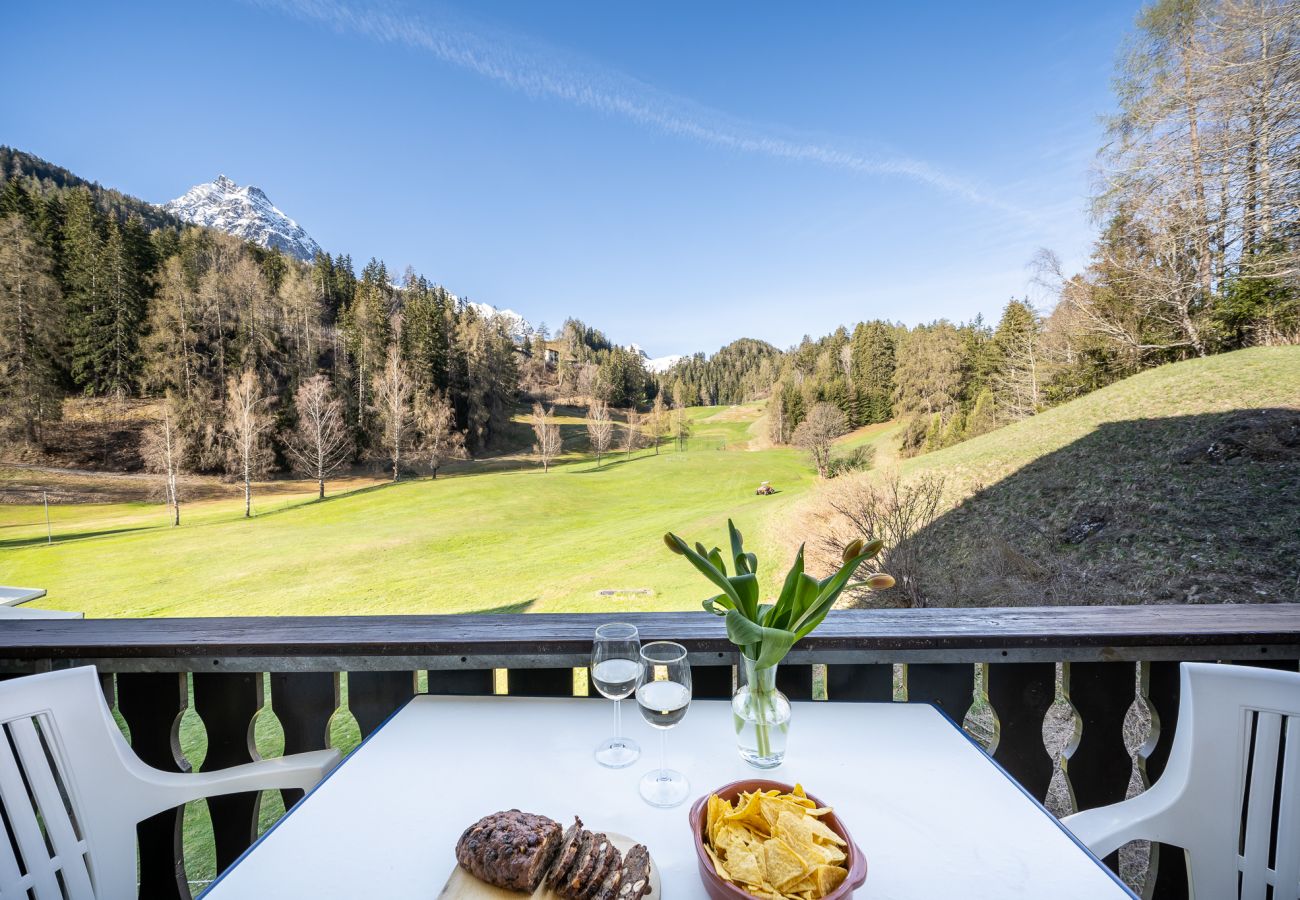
x=618, y=718
x=663, y=750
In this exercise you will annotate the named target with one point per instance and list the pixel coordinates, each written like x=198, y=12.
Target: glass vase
x=761, y=714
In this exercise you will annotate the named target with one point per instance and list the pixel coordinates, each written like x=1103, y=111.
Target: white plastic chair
x=73, y=790
x=1234, y=762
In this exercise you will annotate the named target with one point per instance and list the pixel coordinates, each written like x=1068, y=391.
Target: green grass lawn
x=499, y=540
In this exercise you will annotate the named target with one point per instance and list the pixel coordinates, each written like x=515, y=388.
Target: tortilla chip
x=746, y=866
x=783, y=865
x=823, y=832
x=828, y=878
x=718, y=867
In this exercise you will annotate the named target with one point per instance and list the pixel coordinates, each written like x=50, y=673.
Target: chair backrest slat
x=13, y=883
x=27, y=830
x=1258, y=805
x=1287, y=863
x=49, y=785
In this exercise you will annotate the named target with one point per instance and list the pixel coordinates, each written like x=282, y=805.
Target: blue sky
x=678, y=174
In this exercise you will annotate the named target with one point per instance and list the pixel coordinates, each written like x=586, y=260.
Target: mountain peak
x=245, y=212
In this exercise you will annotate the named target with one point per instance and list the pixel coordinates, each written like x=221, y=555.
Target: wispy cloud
x=539, y=71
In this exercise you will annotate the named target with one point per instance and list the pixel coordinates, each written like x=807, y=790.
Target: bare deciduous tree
x=600, y=428
x=246, y=427
x=163, y=448
x=657, y=424
x=897, y=512
x=818, y=431
x=632, y=432
x=320, y=445
x=393, y=388
x=439, y=439
x=547, y=433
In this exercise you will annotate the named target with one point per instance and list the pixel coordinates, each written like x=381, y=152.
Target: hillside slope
x=1180, y=484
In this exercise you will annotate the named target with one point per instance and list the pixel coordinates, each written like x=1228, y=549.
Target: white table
x=12, y=596
x=934, y=816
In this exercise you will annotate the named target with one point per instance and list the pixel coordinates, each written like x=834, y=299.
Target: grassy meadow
x=495, y=539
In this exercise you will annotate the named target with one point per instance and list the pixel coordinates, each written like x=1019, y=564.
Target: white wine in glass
x=663, y=695
x=615, y=667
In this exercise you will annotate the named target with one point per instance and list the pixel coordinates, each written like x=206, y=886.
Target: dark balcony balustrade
x=1011, y=665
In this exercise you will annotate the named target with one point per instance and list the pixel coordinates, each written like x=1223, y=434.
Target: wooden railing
x=1012, y=661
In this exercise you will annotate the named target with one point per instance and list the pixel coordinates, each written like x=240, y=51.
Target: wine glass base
x=618, y=753
x=664, y=788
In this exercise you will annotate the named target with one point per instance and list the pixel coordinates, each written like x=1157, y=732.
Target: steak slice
x=635, y=883
x=568, y=851
x=510, y=849
x=583, y=866
x=609, y=859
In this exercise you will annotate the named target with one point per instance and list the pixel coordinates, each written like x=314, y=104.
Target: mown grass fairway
x=493, y=541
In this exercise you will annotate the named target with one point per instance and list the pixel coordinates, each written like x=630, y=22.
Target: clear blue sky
x=679, y=174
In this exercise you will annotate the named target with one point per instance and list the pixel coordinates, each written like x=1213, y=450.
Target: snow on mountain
x=245, y=212
x=515, y=325
x=658, y=364
x=661, y=364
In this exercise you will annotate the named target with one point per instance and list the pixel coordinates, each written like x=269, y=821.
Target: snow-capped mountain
x=515, y=325
x=658, y=364
x=245, y=212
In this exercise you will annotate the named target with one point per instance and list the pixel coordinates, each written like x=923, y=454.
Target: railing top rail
x=1027, y=629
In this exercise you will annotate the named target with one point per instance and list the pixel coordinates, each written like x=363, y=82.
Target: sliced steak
x=635, y=883
x=568, y=851
x=609, y=858
x=510, y=849
x=583, y=866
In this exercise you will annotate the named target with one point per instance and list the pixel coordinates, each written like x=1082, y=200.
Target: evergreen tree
x=1019, y=379
x=872, y=370
x=30, y=316
x=84, y=287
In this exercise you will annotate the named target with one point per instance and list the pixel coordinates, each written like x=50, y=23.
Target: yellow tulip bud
x=853, y=549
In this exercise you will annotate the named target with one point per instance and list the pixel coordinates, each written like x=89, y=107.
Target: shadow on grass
x=1181, y=509
x=521, y=607
x=69, y=536
x=610, y=463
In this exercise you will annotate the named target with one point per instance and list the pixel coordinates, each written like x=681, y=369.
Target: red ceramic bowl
x=720, y=889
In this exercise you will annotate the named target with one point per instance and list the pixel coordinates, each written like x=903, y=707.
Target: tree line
x=251, y=350
x=1198, y=252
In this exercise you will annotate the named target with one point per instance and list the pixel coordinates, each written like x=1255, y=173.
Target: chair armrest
x=1107, y=828
x=299, y=770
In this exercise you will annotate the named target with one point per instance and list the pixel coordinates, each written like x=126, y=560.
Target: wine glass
x=615, y=665
x=663, y=692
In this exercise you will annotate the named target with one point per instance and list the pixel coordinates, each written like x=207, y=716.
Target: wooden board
x=464, y=886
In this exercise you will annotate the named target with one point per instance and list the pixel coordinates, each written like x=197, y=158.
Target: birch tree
x=321, y=444
x=547, y=443
x=163, y=448
x=393, y=389
x=439, y=439
x=247, y=426
x=631, y=432
x=600, y=428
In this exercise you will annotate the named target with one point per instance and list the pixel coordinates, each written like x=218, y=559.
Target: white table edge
x=1074, y=839
x=1119, y=882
